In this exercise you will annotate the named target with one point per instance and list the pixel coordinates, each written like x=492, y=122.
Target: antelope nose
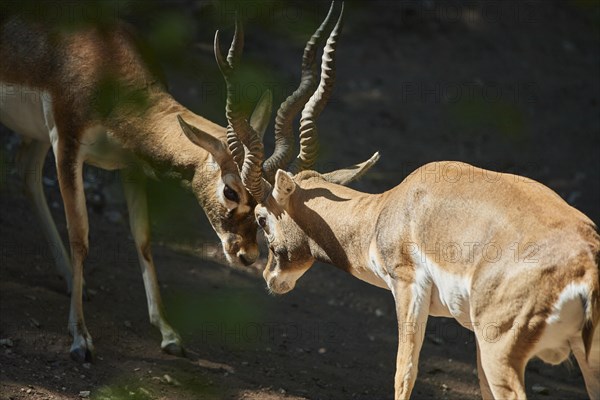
x=248, y=254
x=245, y=260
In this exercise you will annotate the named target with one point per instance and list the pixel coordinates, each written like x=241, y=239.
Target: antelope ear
x=208, y=142
x=284, y=187
x=347, y=175
x=262, y=113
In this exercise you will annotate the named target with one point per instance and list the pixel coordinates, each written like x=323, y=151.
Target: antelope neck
x=156, y=138
x=339, y=222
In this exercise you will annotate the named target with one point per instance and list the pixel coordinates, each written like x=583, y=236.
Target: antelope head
x=292, y=217
x=267, y=181
x=227, y=203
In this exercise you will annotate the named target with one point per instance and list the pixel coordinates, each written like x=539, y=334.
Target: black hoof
x=82, y=355
x=174, y=349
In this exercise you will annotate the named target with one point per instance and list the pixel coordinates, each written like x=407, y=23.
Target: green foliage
x=111, y=94
x=129, y=391
x=170, y=35
x=227, y=318
x=131, y=388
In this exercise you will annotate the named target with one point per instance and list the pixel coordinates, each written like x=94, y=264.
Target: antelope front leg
x=134, y=185
x=69, y=166
x=486, y=392
x=412, y=309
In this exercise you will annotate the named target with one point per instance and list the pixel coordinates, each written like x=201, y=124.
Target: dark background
x=505, y=85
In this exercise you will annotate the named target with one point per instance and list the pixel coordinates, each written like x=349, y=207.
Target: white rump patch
x=565, y=321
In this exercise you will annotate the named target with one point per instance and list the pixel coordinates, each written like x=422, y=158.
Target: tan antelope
x=49, y=80
x=502, y=254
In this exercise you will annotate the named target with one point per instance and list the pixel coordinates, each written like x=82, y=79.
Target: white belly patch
x=101, y=150
x=450, y=293
x=28, y=112
x=23, y=110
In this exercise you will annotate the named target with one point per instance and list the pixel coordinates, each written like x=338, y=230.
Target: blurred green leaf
x=229, y=318
x=171, y=34
x=111, y=93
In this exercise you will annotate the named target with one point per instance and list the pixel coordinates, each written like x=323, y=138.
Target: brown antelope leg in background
x=69, y=165
x=30, y=161
x=134, y=185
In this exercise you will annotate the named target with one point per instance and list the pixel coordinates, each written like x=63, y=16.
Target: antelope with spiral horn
x=536, y=293
x=49, y=80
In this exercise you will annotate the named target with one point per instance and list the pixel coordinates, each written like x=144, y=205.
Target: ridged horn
x=244, y=143
x=237, y=135
x=284, y=133
x=309, y=145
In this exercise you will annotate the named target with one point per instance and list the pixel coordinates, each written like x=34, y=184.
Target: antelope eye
x=230, y=194
x=262, y=221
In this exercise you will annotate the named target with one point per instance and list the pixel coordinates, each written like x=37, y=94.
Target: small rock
x=87, y=365
x=170, y=380
x=6, y=342
x=84, y=394
x=379, y=312
x=28, y=391
x=215, y=366
x=539, y=389
x=445, y=387
x=144, y=391
x=322, y=350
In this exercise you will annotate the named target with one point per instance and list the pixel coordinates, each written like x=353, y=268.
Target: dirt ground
x=510, y=86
